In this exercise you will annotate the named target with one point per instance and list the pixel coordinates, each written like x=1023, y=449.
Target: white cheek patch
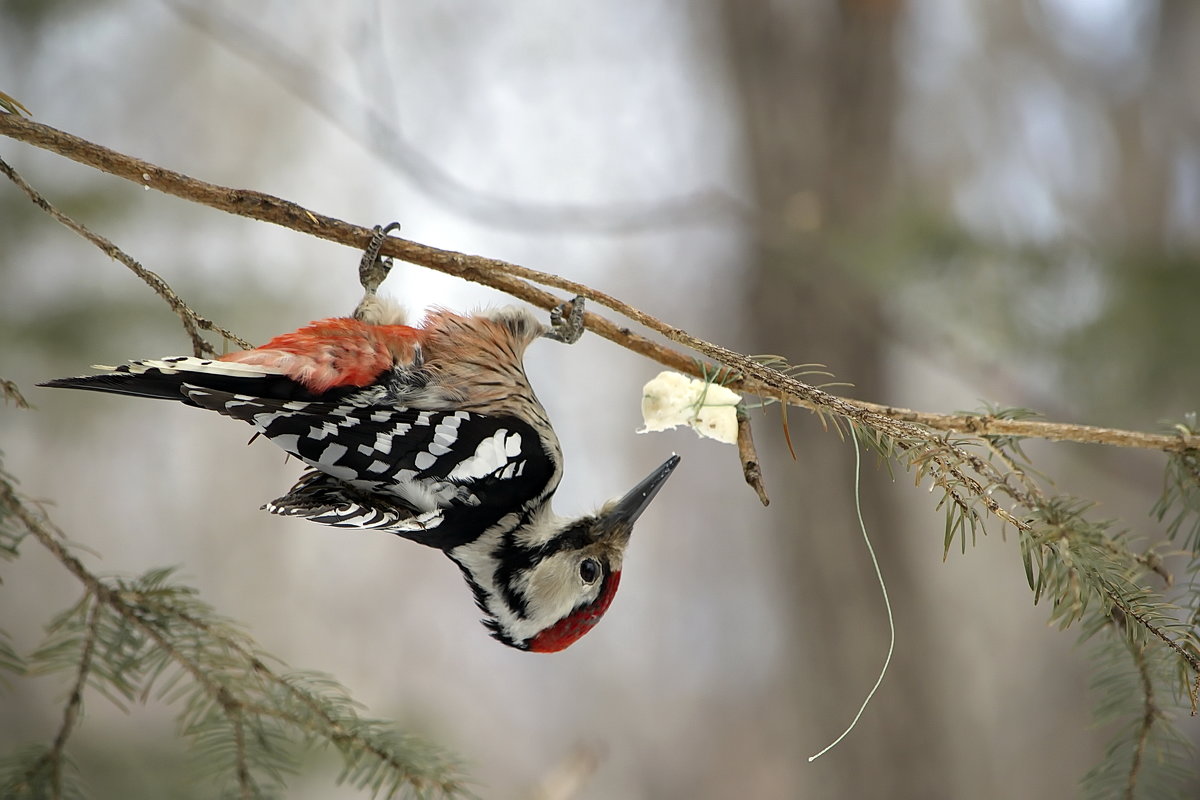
x=553, y=588
x=491, y=455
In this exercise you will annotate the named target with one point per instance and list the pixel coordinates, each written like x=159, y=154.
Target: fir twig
x=10, y=659
x=11, y=105
x=51, y=761
x=1181, y=491
x=1070, y=558
x=151, y=626
x=1150, y=714
x=11, y=394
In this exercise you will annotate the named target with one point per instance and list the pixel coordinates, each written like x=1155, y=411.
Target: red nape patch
x=563, y=633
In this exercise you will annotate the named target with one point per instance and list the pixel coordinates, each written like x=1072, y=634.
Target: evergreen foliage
x=1144, y=640
x=247, y=719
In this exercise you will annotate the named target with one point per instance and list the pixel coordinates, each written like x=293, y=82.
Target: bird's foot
x=566, y=321
x=372, y=269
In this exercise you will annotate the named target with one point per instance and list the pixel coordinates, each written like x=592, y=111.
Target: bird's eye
x=589, y=570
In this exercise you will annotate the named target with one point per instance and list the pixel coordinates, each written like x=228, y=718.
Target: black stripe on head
x=490, y=621
x=513, y=559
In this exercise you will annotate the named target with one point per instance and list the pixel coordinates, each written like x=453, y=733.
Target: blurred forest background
x=945, y=201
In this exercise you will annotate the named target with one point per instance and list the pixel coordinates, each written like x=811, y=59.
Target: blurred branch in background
x=241, y=34
x=1090, y=574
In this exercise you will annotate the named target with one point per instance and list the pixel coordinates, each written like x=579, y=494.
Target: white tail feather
x=176, y=364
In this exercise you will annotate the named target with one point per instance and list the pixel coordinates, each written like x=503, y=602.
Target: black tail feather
x=161, y=385
x=151, y=383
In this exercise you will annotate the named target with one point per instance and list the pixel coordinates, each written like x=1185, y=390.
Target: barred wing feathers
x=451, y=470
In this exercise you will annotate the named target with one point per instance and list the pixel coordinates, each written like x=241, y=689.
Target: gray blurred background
x=942, y=200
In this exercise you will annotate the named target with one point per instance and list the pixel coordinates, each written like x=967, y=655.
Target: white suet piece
x=673, y=399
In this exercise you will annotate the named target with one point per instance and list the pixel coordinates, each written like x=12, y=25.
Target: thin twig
x=1126, y=609
x=53, y=757
x=518, y=281
x=1149, y=716
x=751, y=469
x=1033, y=498
x=192, y=322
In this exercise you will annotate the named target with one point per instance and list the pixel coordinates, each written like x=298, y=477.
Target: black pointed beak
x=626, y=510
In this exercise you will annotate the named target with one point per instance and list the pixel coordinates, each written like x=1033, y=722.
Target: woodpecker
x=430, y=432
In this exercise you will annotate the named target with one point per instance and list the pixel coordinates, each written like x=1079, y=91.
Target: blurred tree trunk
x=818, y=85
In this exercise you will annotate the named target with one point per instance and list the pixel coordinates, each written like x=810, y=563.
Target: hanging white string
x=882, y=587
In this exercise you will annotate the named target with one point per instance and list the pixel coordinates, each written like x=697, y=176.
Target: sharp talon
x=566, y=327
x=372, y=269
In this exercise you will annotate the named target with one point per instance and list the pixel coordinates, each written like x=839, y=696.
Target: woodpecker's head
x=552, y=579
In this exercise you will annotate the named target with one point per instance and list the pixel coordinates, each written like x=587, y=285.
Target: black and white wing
x=437, y=477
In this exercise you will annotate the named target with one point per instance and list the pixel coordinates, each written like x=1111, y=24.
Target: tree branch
x=753, y=376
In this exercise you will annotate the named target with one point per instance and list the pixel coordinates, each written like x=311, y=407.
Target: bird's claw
x=566, y=326
x=372, y=269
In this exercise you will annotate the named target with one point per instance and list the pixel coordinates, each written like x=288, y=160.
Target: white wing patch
x=290, y=442
x=491, y=455
x=383, y=440
x=332, y=452
x=422, y=522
